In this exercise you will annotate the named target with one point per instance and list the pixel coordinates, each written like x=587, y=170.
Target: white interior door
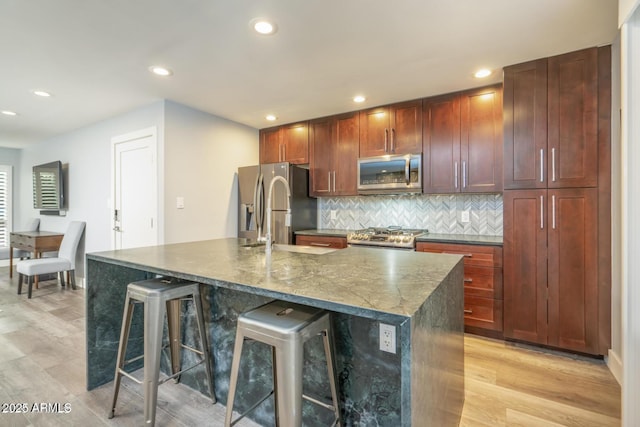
x=135, y=207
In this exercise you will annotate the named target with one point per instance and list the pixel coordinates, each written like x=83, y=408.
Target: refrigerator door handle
x=258, y=202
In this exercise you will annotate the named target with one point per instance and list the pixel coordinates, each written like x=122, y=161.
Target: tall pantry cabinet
x=556, y=181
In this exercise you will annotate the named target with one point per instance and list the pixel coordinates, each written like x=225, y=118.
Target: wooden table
x=36, y=242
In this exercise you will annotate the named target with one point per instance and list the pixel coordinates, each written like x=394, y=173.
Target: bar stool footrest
x=248, y=411
x=318, y=402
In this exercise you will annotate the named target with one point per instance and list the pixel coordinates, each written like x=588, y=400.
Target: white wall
x=202, y=156
x=86, y=152
x=630, y=231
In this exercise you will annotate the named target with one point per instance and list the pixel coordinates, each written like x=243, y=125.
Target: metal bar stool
x=285, y=327
x=158, y=295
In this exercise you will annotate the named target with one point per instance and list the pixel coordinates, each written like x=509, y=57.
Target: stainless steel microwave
x=390, y=174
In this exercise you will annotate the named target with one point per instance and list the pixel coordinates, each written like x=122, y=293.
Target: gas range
x=387, y=237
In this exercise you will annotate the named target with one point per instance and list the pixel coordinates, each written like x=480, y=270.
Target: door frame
x=123, y=139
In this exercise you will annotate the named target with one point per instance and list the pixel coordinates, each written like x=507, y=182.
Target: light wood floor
x=42, y=352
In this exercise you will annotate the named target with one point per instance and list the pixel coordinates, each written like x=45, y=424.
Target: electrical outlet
x=334, y=214
x=464, y=216
x=388, y=338
x=180, y=202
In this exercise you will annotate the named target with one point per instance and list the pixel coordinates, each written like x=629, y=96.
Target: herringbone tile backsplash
x=437, y=213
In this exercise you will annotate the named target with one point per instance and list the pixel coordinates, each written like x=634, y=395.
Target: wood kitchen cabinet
x=333, y=155
x=483, y=301
x=393, y=129
x=322, y=241
x=462, y=142
x=551, y=122
x=288, y=143
x=551, y=268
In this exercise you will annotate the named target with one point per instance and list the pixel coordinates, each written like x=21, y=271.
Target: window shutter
x=5, y=205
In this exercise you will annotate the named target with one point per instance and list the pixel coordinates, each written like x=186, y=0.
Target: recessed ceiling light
x=359, y=98
x=160, y=71
x=270, y=117
x=484, y=72
x=41, y=93
x=9, y=113
x=264, y=26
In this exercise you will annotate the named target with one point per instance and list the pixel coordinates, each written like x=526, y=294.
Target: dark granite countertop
x=429, y=237
x=361, y=281
x=329, y=232
x=460, y=238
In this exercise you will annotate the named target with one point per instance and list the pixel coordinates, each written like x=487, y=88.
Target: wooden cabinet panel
x=295, y=143
x=288, y=143
x=462, y=142
x=441, y=144
x=322, y=241
x=334, y=153
x=270, y=145
x=573, y=119
x=393, y=129
x=525, y=265
x=573, y=271
x=482, y=283
x=485, y=313
x=525, y=125
x=321, y=148
x=481, y=140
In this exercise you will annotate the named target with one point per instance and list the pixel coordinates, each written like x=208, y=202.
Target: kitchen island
x=420, y=294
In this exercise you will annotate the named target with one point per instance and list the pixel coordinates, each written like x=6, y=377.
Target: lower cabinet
x=322, y=241
x=551, y=267
x=482, y=284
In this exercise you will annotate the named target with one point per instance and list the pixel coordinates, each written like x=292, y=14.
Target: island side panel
x=437, y=379
x=105, y=295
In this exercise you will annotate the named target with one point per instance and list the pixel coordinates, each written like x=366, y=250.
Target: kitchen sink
x=313, y=250
x=252, y=244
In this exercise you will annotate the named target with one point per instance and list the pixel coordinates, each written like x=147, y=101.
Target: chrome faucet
x=287, y=218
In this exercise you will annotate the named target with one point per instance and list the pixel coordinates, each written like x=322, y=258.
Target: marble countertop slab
x=368, y=282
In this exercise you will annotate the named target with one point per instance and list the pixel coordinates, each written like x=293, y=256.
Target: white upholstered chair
x=65, y=261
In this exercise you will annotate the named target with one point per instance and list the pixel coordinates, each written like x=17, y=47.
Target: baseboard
x=615, y=365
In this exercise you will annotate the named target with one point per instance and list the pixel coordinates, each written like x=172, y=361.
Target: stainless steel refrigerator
x=253, y=186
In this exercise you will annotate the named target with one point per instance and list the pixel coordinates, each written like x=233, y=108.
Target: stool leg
x=173, y=319
x=154, y=312
x=289, y=380
x=327, y=338
x=122, y=350
x=274, y=370
x=30, y=281
x=206, y=349
x=233, y=382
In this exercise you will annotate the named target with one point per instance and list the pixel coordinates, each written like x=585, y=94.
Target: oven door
x=390, y=174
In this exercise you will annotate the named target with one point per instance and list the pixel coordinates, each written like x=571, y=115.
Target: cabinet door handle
x=468, y=280
x=393, y=140
x=329, y=187
x=541, y=212
x=455, y=174
x=464, y=174
x=542, y=165
x=455, y=253
x=386, y=139
x=553, y=211
x=334, y=181
x=325, y=245
x=553, y=164
x=407, y=175
x=468, y=311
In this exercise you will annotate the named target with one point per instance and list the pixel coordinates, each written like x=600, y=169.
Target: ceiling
x=94, y=55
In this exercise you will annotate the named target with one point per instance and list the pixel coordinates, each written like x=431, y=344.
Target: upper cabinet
x=393, y=129
x=334, y=153
x=462, y=142
x=551, y=122
x=289, y=143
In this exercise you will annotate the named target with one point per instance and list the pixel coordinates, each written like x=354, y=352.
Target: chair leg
x=72, y=279
x=20, y=278
x=30, y=280
x=61, y=277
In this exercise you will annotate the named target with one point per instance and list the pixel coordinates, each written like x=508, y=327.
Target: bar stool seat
x=159, y=296
x=285, y=327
